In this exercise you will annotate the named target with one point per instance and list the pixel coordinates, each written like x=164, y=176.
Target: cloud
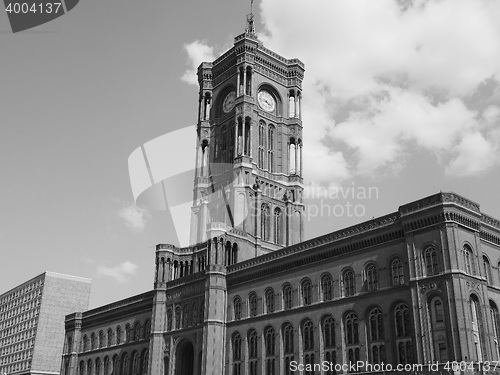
x=120, y=273
x=198, y=52
x=134, y=217
x=386, y=77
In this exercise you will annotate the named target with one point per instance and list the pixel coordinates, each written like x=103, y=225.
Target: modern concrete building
x=250, y=296
x=32, y=322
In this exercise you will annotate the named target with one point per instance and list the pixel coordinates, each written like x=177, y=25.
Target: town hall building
x=251, y=296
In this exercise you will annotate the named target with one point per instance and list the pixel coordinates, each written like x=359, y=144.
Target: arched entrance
x=184, y=358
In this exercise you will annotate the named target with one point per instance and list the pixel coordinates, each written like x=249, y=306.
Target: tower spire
x=250, y=25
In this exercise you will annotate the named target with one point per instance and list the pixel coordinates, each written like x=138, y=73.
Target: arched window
x=110, y=337
x=487, y=269
x=351, y=329
x=145, y=361
x=397, y=272
x=270, y=341
x=287, y=297
x=270, y=148
x=93, y=341
x=116, y=365
x=262, y=137
x=137, y=331
x=101, y=339
x=349, y=283
x=252, y=303
x=237, y=308
x=81, y=369
x=195, y=313
x=237, y=358
x=169, y=320
x=265, y=222
x=127, y=333
x=403, y=334
x=496, y=326
x=468, y=260
x=288, y=347
x=351, y=326
x=278, y=226
x=85, y=343
x=431, y=261
x=269, y=300
x=438, y=329
x=125, y=364
x=328, y=328
x=177, y=317
x=371, y=277
x=376, y=336
x=89, y=367
x=185, y=316
x=252, y=352
x=306, y=288
x=308, y=345
x=477, y=327
x=106, y=366
x=118, y=335
x=135, y=363
x=326, y=287
x=147, y=329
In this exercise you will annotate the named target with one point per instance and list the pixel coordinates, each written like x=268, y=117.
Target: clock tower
x=248, y=181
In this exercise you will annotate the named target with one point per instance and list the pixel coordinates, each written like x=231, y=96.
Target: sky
x=401, y=100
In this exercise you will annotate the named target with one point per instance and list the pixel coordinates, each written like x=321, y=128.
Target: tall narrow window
x=287, y=297
x=118, y=335
x=397, y=272
x=185, y=316
x=237, y=308
x=351, y=326
x=308, y=345
x=177, y=317
x=288, y=347
x=306, y=288
x=371, y=277
x=237, y=358
x=270, y=364
x=376, y=336
x=252, y=352
x=278, y=226
x=328, y=329
x=438, y=329
x=496, y=327
x=110, y=337
x=169, y=320
x=269, y=300
x=431, y=261
x=326, y=287
x=252, y=301
x=404, y=344
x=270, y=149
x=468, y=260
x=265, y=222
x=262, y=135
x=349, y=283
x=487, y=269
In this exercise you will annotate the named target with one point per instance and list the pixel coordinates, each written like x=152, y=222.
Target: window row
x=274, y=301
x=189, y=315
x=136, y=364
x=112, y=337
x=287, y=343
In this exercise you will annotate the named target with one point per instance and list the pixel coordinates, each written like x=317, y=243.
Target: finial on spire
x=250, y=26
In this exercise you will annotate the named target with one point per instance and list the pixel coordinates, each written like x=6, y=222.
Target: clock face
x=228, y=103
x=266, y=101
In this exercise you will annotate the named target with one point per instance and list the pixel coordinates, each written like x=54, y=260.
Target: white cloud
x=198, y=52
x=134, y=217
x=381, y=79
x=386, y=77
x=121, y=272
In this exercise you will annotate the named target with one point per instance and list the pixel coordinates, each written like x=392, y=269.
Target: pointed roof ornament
x=250, y=25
